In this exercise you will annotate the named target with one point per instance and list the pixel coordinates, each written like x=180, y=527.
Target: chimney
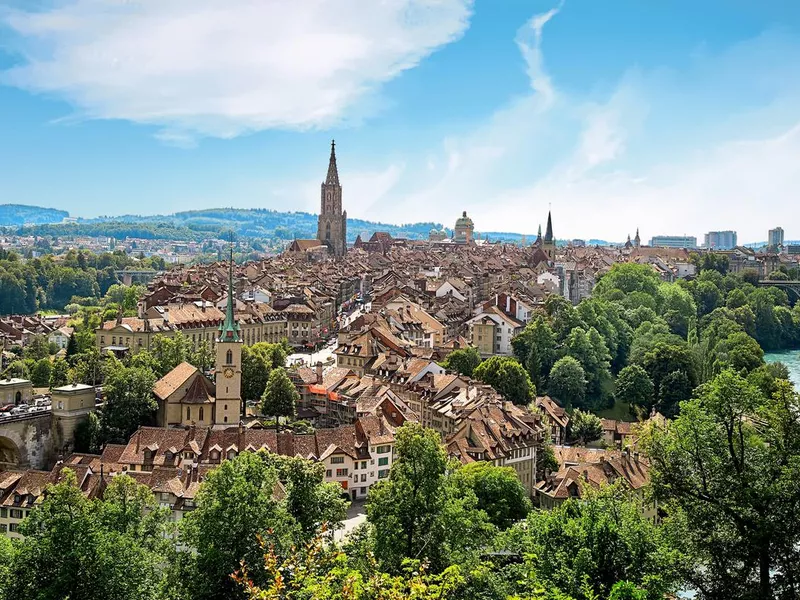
x=102, y=474
x=636, y=456
x=319, y=372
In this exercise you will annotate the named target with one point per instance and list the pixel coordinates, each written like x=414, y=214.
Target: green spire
x=229, y=329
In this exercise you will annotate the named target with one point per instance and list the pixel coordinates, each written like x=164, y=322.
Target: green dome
x=464, y=221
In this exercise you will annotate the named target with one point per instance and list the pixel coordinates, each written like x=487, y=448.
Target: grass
x=620, y=411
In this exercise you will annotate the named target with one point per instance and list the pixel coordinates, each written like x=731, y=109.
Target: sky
x=675, y=118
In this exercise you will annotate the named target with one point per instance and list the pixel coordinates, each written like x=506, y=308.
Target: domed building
x=464, y=229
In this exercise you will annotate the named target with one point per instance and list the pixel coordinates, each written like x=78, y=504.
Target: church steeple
x=548, y=234
x=333, y=172
x=539, y=235
x=229, y=328
x=637, y=241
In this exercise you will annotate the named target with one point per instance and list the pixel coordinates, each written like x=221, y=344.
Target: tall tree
x=585, y=427
x=129, y=402
x=568, y=382
x=727, y=471
x=635, y=388
x=60, y=373
x=280, y=396
x=499, y=491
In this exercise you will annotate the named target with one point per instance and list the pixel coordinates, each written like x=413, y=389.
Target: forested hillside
x=20, y=214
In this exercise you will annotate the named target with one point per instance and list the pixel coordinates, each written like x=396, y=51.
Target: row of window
x=16, y=513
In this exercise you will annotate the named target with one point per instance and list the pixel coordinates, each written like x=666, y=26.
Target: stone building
x=332, y=225
x=464, y=229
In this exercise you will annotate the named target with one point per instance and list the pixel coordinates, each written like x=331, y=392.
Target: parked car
x=7, y=408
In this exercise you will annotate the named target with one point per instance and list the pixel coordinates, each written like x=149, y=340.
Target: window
x=16, y=513
x=363, y=477
x=3, y=512
x=201, y=413
x=337, y=460
x=363, y=464
x=225, y=420
x=188, y=413
x=229, y=357
x=328, y=473
x=3, y=528
x=102, y=339
x=13, y=527
x=341, y=472
x=384, y=449
x=383, y=461
x=383, y=473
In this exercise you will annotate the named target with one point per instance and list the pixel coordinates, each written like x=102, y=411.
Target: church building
x=332, y=225
x=187, y=397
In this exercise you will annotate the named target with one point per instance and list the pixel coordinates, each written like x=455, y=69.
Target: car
x=7, y=408
x=18, y=410
x=24, y=405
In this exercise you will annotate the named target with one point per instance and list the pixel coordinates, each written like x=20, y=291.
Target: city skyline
x=502, y=112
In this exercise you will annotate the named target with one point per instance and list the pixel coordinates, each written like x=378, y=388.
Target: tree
x=708, y=297
x=129, y=402
x=74, y=549
x=280, y=396
x=677, y=307
x=499, y=491
x=237, y=506
x=535, y=347
x=665, y=358
x=60, y=373
x=628, y=278
x=72, y=346
x=37, y=348
x=635, y=388
x=40, y=373
x=415, y=513
x=508, y=377
x=568, y=382
x=588, y=348
x=585, y=427
x=739, y=352
x=727, y=473
x=463, y=361
x=257, y=362
x=586, y=546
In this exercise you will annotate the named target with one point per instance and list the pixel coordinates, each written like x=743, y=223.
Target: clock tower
x=228, y=371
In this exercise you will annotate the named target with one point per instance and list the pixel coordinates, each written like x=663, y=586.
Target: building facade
x=721, y=240
x=775, y=237
x=332, y=224
x=673, y=241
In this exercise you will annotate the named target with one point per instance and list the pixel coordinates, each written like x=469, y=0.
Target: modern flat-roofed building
x=721, y=240
x=775, y=237
x=674, y=241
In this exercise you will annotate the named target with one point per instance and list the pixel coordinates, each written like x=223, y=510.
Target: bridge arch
x=12, y=450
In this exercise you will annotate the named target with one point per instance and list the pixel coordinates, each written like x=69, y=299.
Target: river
x=791, y=358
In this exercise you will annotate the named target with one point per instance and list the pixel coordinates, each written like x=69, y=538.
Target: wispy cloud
x=668, y=151
x=202, y=67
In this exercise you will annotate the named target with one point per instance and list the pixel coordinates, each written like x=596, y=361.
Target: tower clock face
x=228, y=373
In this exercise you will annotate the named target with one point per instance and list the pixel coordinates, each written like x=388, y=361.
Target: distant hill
x=256, y=223
x=21, y=214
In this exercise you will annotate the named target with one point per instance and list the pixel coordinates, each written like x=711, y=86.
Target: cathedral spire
x=539, y=235
x=229, y=328
x=548, y=234
x=333, y=172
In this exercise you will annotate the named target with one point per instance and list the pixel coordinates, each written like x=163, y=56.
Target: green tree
x=628, y=278
x=72, y=346
x=40, y=373
x=567, y=382
x=585, y=427
x=415, y=513
x=535, y=347
x=508, y=377
x=257, y=362
x=237, y=506
x=663, y=360
x=634, y=387
x=59, y=374
x=499, y=491
x=586, y=546
x=129, y=402
x=726, y=471
x=280, y=396
x=463, y=361
x=708, y=297
x=37, y=348
x=72, y=549
x=677, y=308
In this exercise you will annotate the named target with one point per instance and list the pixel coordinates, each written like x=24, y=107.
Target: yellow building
x=15, y=391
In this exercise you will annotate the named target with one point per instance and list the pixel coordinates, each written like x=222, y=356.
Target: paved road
x=356, y=515
x=310, y=359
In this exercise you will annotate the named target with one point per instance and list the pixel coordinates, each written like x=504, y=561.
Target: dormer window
x=231, y=454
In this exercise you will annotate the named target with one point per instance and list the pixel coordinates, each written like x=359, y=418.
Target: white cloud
x=672, y=152
x=225, y=68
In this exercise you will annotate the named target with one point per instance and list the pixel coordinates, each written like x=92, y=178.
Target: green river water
x=791, y=358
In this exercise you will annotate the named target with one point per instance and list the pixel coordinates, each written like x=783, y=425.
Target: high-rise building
x=775, y=237
x=720, y=240
x=674, y=241
x=332, y=225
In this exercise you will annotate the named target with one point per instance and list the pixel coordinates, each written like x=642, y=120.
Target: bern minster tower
x=332, y=228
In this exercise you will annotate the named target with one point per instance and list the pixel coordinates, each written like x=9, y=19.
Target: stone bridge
x=129, y=277
x=792, y=288
x=30, y=440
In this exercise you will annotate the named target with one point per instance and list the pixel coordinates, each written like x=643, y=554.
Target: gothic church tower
x=228, y=397
x=332, y=225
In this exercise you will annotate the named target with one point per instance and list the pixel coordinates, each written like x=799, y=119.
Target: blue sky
x=675, y=117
